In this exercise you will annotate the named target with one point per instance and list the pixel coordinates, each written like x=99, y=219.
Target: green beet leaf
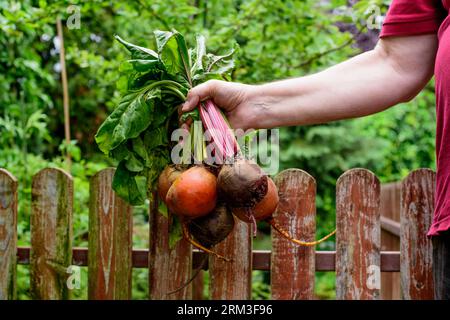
x=134, y=164
x=128, y=120
x=140, y=150
x=138, y=52
x=199, y=56
x=174, y=54
x=128, y=186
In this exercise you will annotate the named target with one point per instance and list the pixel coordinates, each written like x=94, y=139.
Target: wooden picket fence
x=358, y=260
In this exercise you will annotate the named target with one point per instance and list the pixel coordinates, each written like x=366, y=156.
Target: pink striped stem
x=219, y=150
x=219, y=123
x=224, y=141
x=226, y=127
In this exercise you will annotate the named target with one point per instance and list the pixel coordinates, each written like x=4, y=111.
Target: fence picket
x=293, y=266
x=358, y=235
x=390, y=208
x=51, y=233
x=416, y=251
x=110, y=241
x=232, y=280
x=169, y=268
x=198, y=285
x=8, y=235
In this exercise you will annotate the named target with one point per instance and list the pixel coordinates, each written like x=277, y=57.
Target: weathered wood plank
x=390, y=226
x=293, y=266
x=8, y=235
x=390, y=281
x=390, y=235
x=110, y=241
x=169, y=268
x=390, y=194
x=51, y=233
x=232, y=280
x=441, y=258
x=325, y=260
x=198, y=285
x=416, y=250
x=358, y=236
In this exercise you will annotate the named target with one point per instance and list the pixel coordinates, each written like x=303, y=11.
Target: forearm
x=363, y=85
x=395, y=71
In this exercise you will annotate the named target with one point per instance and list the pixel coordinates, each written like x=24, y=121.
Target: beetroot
x=263, y=209
x=193, y=194
x=243, y=184
x=166, y=179
x=213, y=228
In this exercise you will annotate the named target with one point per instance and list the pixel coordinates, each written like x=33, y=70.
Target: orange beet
x=263, y=209
x=193, y=194
x=166, y=179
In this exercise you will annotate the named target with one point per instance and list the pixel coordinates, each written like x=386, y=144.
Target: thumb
x=201, y=92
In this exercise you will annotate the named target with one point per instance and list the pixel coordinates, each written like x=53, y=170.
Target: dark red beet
x=212, y=228
x=263, y=209
x=242, y=184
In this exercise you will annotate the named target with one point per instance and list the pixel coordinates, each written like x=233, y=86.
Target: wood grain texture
x=198, y=285
x=441, y=266
x=358, y=236
x=110, y=241
x=51, y=233
x=169, y=268
x=8, y=235
x=390, y=241
x=416, y=250
x=293, y=266
x=232, y=280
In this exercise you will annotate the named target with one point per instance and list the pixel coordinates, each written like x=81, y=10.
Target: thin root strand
x=194, y=275
x=286, y=235
x=188, y=238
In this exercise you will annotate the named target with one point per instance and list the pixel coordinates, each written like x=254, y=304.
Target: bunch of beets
x=204, y=196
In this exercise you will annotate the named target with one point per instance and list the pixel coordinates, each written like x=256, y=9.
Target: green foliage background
x=277, y=39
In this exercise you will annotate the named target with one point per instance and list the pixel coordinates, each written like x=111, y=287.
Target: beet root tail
x=197, y=245
x=194, y=275
x=286, y=235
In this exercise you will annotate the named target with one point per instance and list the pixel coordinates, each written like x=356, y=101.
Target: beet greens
x=137, y=133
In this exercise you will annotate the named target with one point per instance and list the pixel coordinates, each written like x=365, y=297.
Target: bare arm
x=395, y=71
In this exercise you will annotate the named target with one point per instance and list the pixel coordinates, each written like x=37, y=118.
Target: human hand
x=238, y=101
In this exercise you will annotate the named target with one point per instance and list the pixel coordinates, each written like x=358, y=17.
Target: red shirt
x=413, y=17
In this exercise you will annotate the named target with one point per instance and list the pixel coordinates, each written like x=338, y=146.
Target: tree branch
x=331, y=50
x=155, y=15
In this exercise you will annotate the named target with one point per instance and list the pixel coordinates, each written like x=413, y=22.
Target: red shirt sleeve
x=413, y=17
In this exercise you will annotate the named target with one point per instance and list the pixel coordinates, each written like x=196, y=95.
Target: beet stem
x=219, y=123
x=215, y=122
x=219, y=150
